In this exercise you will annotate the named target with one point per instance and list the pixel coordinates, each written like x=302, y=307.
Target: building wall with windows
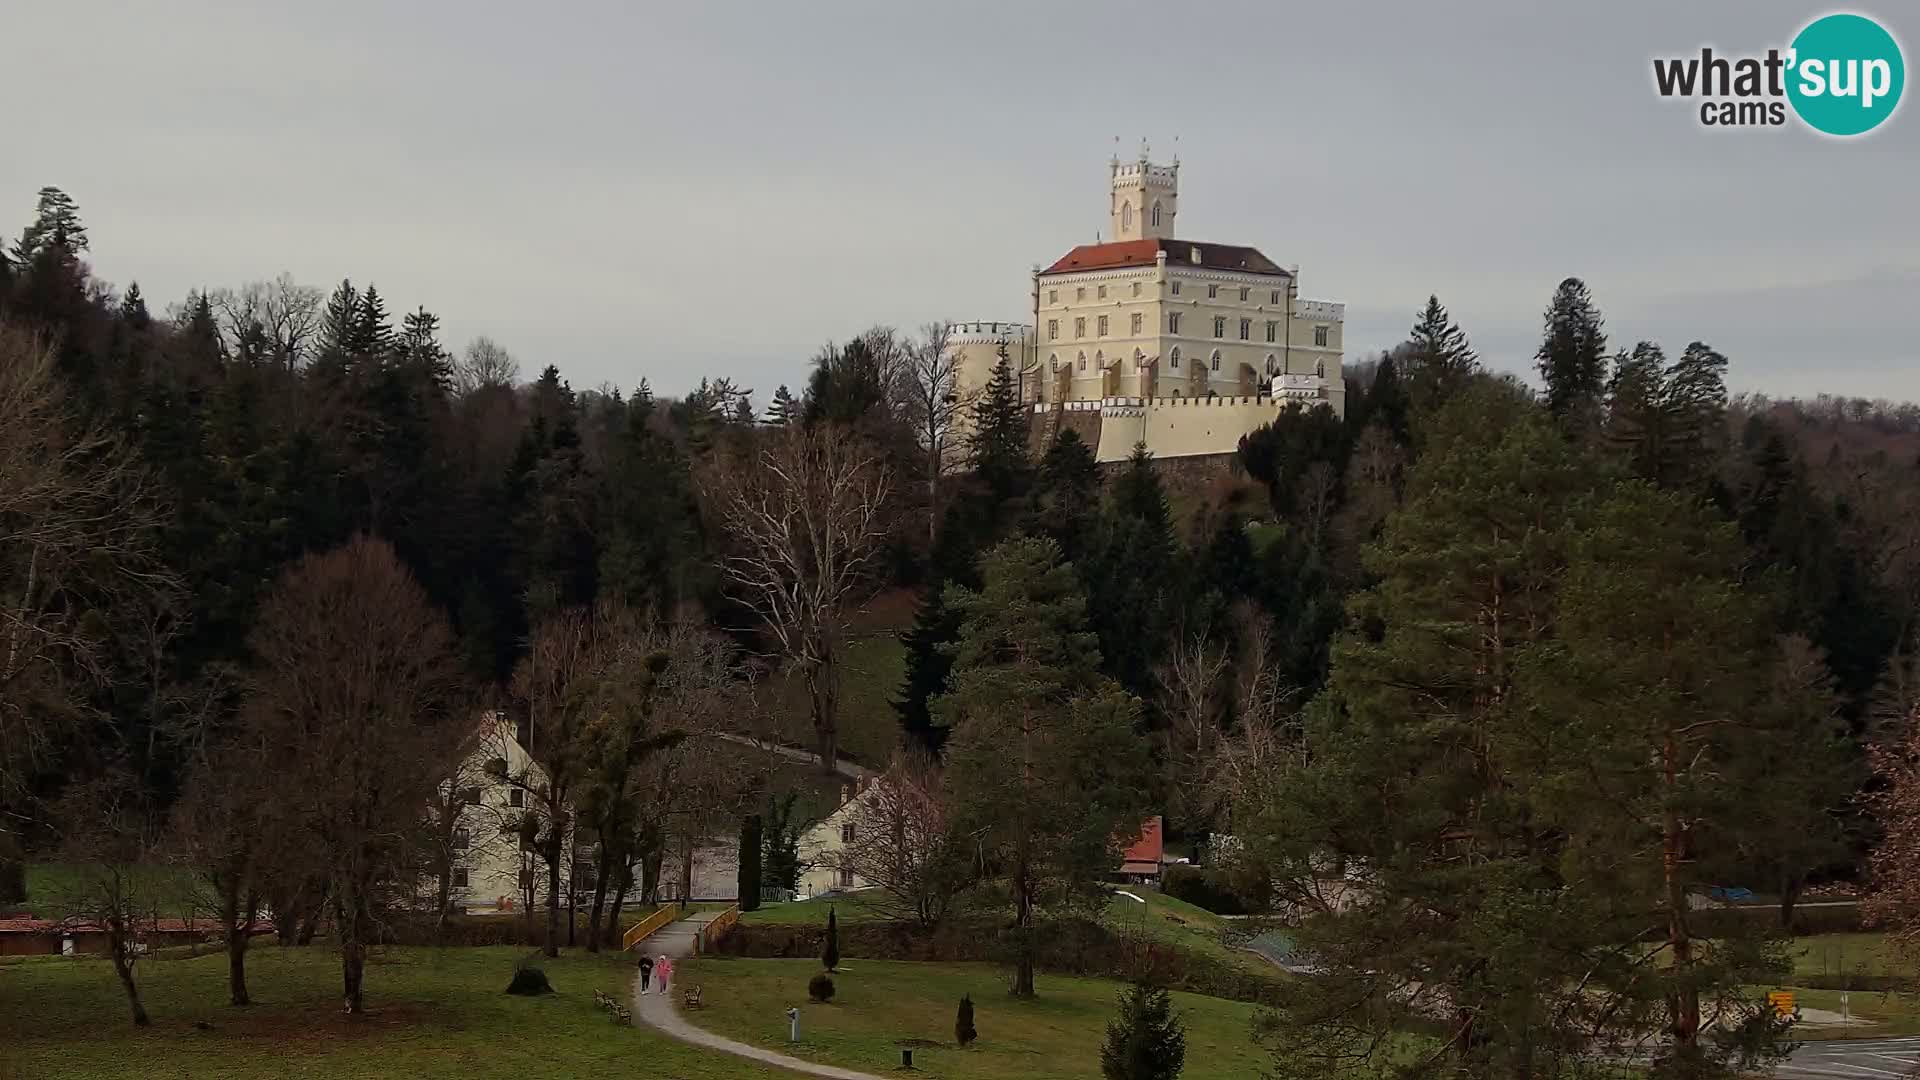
x=1148, y=322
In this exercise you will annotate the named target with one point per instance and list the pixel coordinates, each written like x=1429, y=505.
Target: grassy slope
x=871, y=672
x=879, y=1003
x=432, y=1014
x=165, y=891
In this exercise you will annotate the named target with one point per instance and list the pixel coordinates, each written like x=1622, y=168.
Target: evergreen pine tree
x=963, y=1030
x=372, y=335
x=1439, y=359
x=1028, y=712
x=1132, y=576
x=1666, y=419
x=785, y=409
x=749, y=883
x=1146, y=1041
x=55, y=227
x=1066, y=495
x=1573, y=357
x=830, y=951
x=998, y=443
x=133, y=309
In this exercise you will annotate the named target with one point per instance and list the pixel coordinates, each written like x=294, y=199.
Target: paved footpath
x=1853, y=1059
x=676, y=940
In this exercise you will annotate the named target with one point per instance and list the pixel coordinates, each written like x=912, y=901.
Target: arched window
x=1175, y=358
x=1126, y=215
x=1053, y=362
x=1156, y=214
x=1139, y=360
x=1100, y=360
x=1083, y=361
x=1273, y=366
x=1320, y=368
x=1216, y=359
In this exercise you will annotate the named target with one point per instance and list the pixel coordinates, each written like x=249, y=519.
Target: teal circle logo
x=1845, y=74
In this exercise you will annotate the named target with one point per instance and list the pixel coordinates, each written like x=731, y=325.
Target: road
x=1854, y=1059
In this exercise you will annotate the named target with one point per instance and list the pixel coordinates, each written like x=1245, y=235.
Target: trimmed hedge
x=1067, y=946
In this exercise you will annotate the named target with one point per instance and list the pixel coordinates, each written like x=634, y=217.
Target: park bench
x=691, y=997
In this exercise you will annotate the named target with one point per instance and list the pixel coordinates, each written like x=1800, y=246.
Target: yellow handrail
x=645, y=928
x=711, y=933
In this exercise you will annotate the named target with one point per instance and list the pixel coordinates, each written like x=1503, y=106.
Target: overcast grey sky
x=638, y=189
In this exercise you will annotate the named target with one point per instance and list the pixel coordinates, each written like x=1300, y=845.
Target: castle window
x=1320, y=369
x=1100, y=360
x=1320, y=336
x=1103, y=326
x=1216, y=359
x=1175, y=358
x=1273, y=329
x=1136, y=321
x=1101, y=292
x=1219, y=326
x=1053, y=329
x=461, y=838
x=1213, y=292
x=1083, y=361
x=1173, y=322
x=1273, y=366
x=1275, y=298
x=1126, y=215
x=459, y=877
x=1053, y=361
x=1156, y=213
x=846, y=833
x=1080, y=327
x=1136, y=288
x=516, y=797
x=1080, y=293
x=1246, y=329
x=1053, y=296
x=1176, y=288
x=1243, y=295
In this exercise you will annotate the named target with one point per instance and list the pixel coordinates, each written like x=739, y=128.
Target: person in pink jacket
x=663, y=972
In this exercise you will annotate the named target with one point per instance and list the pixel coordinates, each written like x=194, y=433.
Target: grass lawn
x=848, y=909
x=165, y=891
x=1848, y=954
x=431, y=1013
x=878, y=1004
x=1175, y=922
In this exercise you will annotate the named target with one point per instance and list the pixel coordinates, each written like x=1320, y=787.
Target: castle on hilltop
x=1181, y=345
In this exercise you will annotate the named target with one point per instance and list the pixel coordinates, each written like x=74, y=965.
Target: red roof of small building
x=1146, y=848
x=1179, y=253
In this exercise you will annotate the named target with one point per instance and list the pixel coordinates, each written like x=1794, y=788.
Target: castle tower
x=1145, y=198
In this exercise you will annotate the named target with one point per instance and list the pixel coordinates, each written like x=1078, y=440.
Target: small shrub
x=1212, y=890
x=963, y=1032
x=529, y=981
x=820, y=987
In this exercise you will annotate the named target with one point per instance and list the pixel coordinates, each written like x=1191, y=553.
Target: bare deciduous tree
x=77, y=542
x=1192, y=697
x=485, y=364
x=108, y=834
x=1895, y=758
x=933, y=403
x=358, y=689
x=802, y=512
x=280, y=318
x=902, y=843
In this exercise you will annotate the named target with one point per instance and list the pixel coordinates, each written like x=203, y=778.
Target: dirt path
x=656, y=1010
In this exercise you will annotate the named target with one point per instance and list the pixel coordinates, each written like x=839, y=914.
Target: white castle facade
x=1181, y=345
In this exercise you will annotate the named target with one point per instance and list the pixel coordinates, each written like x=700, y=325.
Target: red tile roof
x=1179, y=253
x=1146, y=848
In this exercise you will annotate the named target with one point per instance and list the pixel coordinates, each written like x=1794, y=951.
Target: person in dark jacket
x=646, y=971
